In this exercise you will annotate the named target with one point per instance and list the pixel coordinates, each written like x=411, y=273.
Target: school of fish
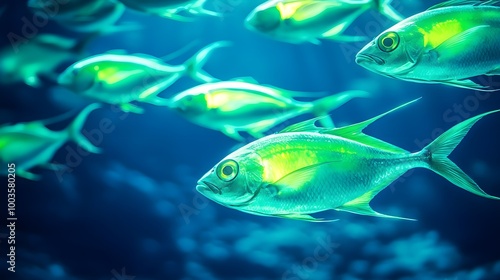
x=302, y=169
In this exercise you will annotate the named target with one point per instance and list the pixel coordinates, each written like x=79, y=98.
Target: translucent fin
x=27, y=175
x=361, y=206
x=232, y=133
x=197, y=8
x=76, y=126
x=458, y=43
x=194, y=65
x=468, y=84
x=131, y=108
x=452, y=3
x=385, y=8
x=303, y=217
x=438, y=151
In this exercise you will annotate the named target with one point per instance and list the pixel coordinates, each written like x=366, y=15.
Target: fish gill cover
x=172, y=139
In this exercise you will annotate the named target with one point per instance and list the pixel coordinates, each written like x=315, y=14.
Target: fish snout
x=204, y=186
x=368, y=58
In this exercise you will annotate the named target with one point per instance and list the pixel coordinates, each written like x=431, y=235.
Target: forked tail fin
x=385, y=8
x=74, y=129
x=438, y=151
x=195, y=64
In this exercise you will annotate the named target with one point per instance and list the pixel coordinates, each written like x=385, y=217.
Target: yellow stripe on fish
x=440, y=32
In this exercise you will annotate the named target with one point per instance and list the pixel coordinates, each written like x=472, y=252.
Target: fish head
x=235, y=181
x=394, y=53
x=191, y=105
x=78, y=78
x=264, y=19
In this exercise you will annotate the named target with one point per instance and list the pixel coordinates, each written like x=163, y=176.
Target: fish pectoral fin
x=28, y=175
x=294, y=181
x=131, y=108
x=460, y=42
x=303, y=217
x=155, y=100
x=361, y=206
x=231, y=132
x=468, y=84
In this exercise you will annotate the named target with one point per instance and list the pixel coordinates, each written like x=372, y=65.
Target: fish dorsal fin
x=361, y=206
x=453, y=3
x=117, y=51
x=355, y=132
x=248, y=79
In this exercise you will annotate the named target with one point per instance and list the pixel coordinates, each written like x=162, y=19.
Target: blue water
x=132, y=212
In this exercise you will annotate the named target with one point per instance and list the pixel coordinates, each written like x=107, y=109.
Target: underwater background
x=132, y=212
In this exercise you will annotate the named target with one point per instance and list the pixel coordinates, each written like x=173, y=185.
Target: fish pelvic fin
x=74, y=129
x=438, y=151
x=323, y=106
x=195, y=64
x=385, y=8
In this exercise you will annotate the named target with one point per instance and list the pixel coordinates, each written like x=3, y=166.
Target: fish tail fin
x=384, y=7
x=438, y=151
x=195, y=64
x=197, y=8
x=74, y=129
x=323, y=106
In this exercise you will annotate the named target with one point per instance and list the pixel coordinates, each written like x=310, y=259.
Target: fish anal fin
x=131, y=108
x=361, y=206
x=303, y=217
x=467, y=84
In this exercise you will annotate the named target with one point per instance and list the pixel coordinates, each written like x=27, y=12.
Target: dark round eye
x=388, y=42
x=227, y=170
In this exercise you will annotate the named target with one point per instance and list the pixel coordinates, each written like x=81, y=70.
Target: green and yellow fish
x=306, y=169
x=300, y=21
x=244, y=106
x=171, y=9
x=447, y=44
x=119, y=79
x=32, y=144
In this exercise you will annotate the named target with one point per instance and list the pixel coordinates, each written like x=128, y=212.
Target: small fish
x=300, y=21
x=307, y=169
x=171, y=9
x=32, y=144
x=447, y=44
x=39, y=58
x=80, y=15
x=117, y=78
x=245, y=106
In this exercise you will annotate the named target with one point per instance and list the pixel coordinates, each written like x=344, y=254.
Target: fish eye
x=388, y=42
x=227, y=170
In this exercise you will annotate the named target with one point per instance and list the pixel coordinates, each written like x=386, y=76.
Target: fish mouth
x=369, y=58
x=204, y=185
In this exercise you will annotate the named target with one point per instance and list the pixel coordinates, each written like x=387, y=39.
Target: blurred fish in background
x=102, y=192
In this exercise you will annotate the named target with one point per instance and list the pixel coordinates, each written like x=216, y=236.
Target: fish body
x=446, y=44
x=32, y=144
x=299, y=21
x=121, y=78
x=307, y=169
x=239, y=106
x=170, y=8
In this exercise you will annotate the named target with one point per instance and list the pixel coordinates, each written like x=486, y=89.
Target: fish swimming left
x=307, y=169
x=32, y=144
x=300, y=21
x=82, y=15
x=239, y=106
x=39, y=58
x=171, y=9
x=449, y=44
x=120, y=79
